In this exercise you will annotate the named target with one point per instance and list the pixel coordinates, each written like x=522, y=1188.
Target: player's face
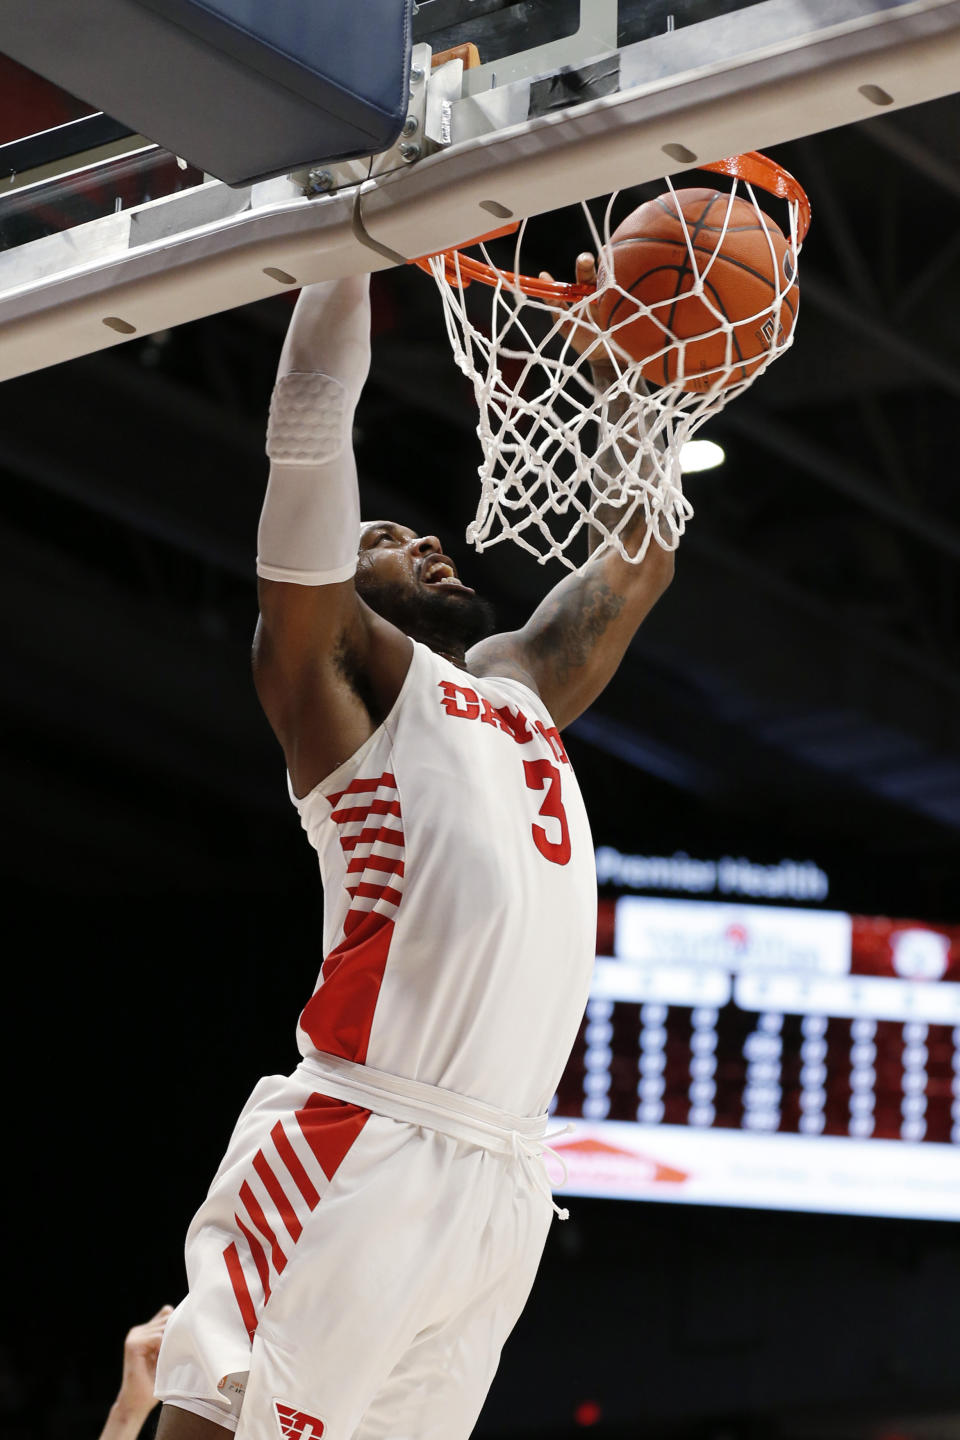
x=398, y=556
x=408, y=580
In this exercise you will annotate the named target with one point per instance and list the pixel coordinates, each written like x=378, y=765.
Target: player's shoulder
x=500, y=657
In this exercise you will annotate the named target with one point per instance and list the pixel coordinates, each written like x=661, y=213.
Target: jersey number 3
x=541, y=775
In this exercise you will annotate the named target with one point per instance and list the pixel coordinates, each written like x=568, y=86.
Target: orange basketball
x=658, y=259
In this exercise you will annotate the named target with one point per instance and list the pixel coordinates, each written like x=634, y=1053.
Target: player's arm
x=325, y=665
x=135, y=1399
x=574, y=641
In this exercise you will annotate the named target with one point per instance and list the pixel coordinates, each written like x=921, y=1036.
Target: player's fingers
x=151, y=1329
x=586, y=268
x=545, y=275
x=559, y=306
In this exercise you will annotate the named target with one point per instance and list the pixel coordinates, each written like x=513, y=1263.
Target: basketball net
x=578, y=442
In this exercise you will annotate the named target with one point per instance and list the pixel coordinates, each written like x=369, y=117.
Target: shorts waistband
x=429, y=1105
x=434, y=1108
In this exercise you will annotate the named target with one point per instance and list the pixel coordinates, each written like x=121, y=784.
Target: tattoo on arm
x=575, y=624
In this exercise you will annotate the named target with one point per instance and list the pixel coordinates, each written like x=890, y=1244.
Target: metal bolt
x=318, y=182
x=410, y=125
x=416, y=75
x=409, y=153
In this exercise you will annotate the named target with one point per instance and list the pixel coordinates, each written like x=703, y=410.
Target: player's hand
x=135, y=1398
x=140, y=1351
x=582, y=338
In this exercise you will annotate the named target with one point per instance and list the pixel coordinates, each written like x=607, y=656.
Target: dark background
x=796, y=693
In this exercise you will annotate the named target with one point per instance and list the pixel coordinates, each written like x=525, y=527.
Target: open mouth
x=441, y=572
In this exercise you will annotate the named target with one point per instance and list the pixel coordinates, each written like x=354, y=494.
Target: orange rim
x=766, y=174
x=752, y=167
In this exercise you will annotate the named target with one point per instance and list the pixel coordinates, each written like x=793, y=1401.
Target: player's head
x=408, y=580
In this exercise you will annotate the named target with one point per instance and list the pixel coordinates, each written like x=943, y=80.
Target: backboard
x=105, y=236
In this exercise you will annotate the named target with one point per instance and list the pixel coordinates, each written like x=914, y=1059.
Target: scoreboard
x=766, y=1055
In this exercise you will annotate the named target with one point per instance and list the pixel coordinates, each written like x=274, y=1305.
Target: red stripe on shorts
x=291, y=1159
x=259, y=1258
x=278, y=1195
x=260, y=1220
x=330, y=1128
x=237, y=1279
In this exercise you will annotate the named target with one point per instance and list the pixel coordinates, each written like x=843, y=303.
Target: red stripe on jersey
x=372, y=836
x=358, y=786
x=375, y=862
x=291, y=1159
x=360, y=812
x=354, y=919
x=375, y=892
x=330, y=1127
x=260, y=1220
x=278, y=1195
x=259, y=1258
x=237, y=1279
x=339, y=1014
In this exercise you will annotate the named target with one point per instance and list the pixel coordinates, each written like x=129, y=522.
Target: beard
x=444, y=622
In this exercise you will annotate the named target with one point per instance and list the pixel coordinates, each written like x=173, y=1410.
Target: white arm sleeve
x=310, y=523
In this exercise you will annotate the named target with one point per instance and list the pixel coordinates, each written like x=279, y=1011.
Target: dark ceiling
x=797, y=691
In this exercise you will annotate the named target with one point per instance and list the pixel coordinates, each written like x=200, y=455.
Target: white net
x=578, y=435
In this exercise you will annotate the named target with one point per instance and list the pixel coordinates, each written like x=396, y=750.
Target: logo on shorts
x=295, y=1425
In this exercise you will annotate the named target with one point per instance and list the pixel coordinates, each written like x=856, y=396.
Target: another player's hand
x=580, y=337
x=135, y=1398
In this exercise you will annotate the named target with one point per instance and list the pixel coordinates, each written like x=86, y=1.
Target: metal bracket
x=444, y=86
x=410, y=146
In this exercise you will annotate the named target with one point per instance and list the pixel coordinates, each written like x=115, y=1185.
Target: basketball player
x=374, y=1229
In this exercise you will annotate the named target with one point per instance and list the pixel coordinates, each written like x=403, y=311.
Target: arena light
x=701, y=455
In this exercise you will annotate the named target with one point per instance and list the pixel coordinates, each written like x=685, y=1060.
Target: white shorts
x=355, y=1276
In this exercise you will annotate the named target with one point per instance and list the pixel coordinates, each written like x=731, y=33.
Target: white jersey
x=459, y=893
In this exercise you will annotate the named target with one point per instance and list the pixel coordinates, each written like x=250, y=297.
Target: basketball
x=735, y=256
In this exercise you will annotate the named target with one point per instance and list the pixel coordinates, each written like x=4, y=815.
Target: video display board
x=759, y=1054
